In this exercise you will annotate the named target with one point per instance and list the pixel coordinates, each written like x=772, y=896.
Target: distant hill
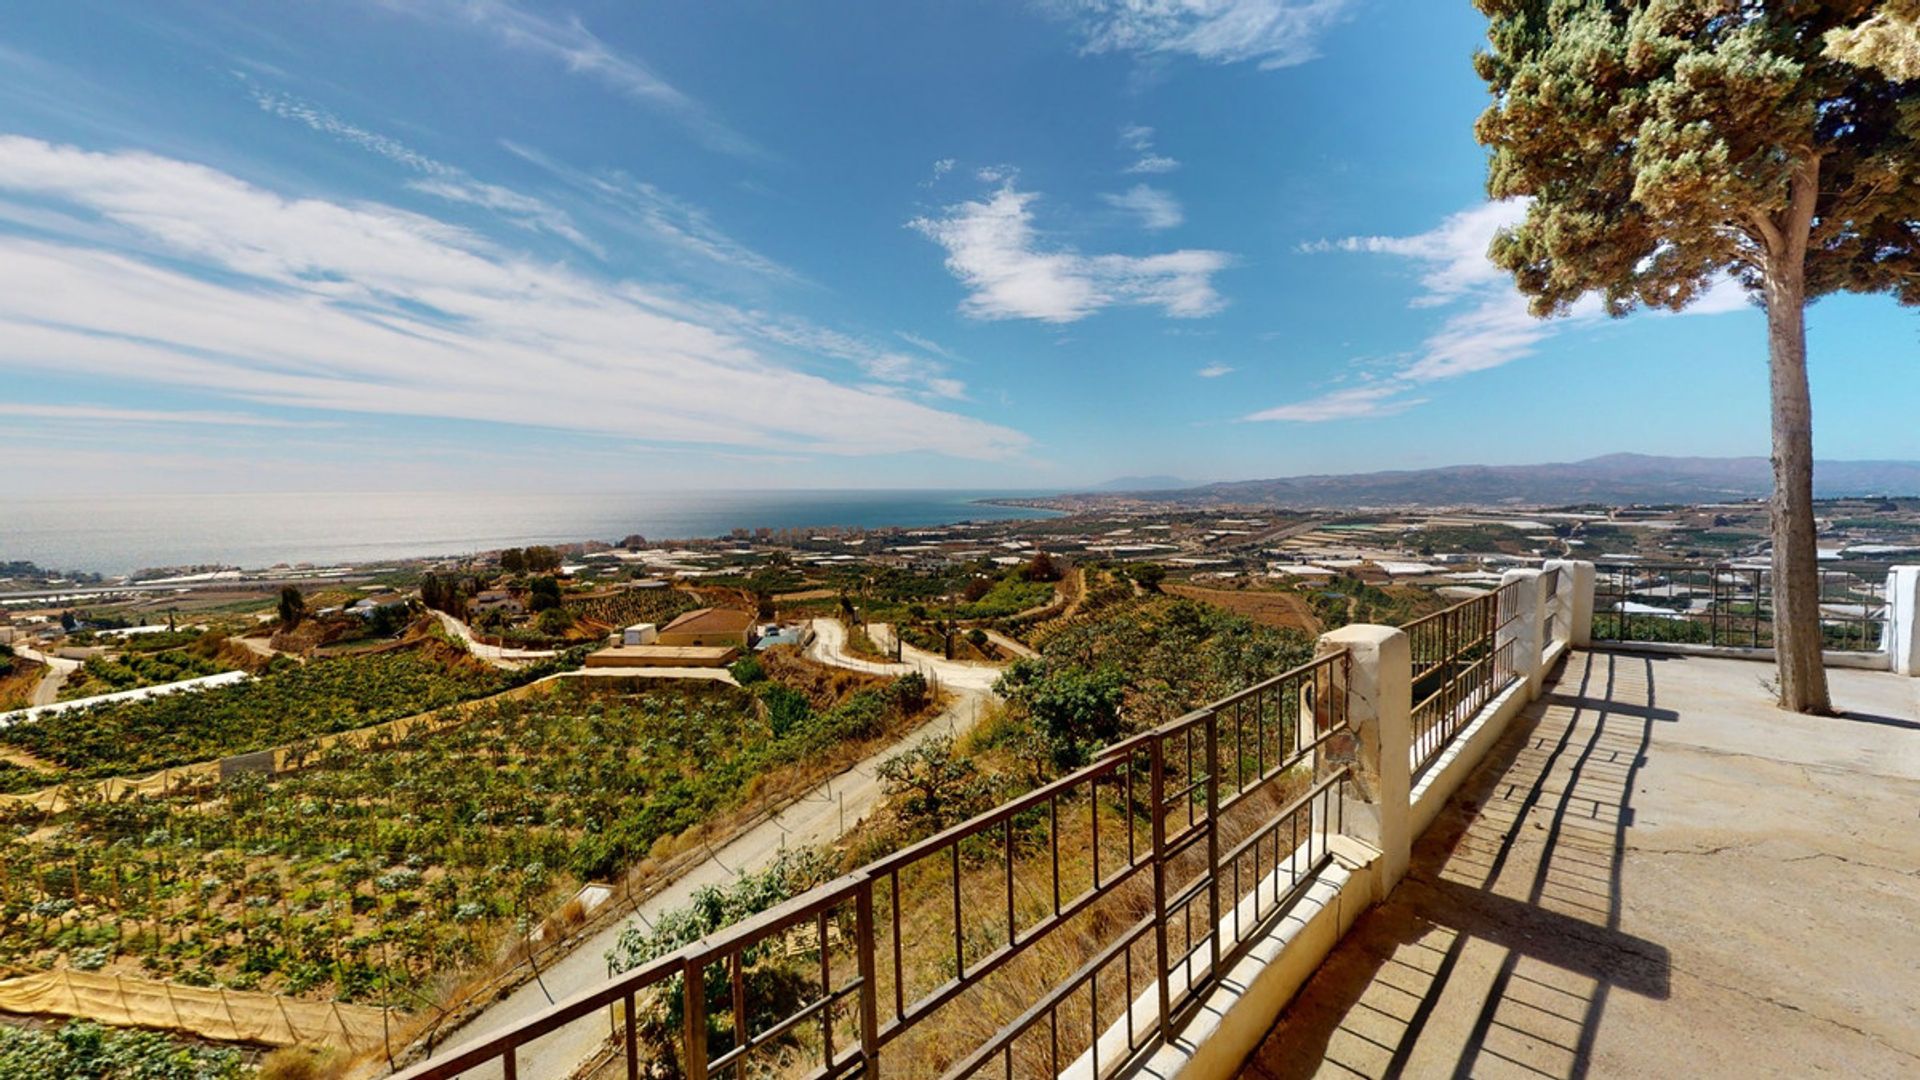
x=1144, y=483
x=1614, y=479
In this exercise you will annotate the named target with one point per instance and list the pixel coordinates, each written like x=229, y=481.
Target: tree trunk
x=1797, y=638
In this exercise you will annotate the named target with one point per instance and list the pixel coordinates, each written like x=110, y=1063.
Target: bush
x=747, y=670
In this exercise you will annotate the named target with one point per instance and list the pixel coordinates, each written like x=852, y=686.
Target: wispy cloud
x=1155, y=209
x=1214, y=371
x=1349, y=404
x=369, y=309
x=1271, y=33
x=645, y=210
x=581, y=52
x=1139, y=139
x=439, y=179
x=994, y=250
x=107, y=414
x=1487, y=325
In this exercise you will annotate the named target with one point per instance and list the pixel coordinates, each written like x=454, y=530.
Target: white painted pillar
x=1903, y=619
x=1380, y=710
x=1527, y=629
x=1575, y=600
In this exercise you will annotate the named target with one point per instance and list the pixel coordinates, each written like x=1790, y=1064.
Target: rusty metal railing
x=1461, y=660
x=1106, y=901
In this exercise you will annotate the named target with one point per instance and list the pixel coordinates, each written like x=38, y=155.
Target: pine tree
x=1664, y=145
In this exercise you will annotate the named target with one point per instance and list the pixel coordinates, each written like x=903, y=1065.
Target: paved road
x=830, y=646
x=1010, y=645
x=497, y=655
x=820, y=817
x=47, y=690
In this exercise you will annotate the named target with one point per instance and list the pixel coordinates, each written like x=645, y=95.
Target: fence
x=1137, y=877
x=1461, y=659
x=1726, y=605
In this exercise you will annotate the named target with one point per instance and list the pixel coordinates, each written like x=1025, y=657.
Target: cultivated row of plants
x=377, y=874
x=288, y=702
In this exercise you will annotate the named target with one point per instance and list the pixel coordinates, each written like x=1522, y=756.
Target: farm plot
x=286, y=704
x=381, y=875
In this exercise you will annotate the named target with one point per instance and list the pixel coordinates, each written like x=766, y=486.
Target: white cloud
x=1156, y=209
x=581, y=52
x=373, y=310
x=113, y=415
x=1139, y=139
x=1153, y=163
x=1214, y=371
x=1488, y=325
x=641, y=209
x=993, y=249
x=1273, y=33
x=942, y=167
x=442, y=181
x=1354, y=403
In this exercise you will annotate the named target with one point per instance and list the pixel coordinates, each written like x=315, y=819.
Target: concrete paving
x=1655, y=873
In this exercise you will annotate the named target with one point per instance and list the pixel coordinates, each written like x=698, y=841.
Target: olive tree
x=1666, y=145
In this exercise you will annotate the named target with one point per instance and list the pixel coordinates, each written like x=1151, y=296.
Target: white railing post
x=1574, y=627
x=1379, y=691
x=1522, y=636
x=1903, y=620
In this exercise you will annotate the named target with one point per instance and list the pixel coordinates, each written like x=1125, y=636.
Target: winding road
x=498, y=655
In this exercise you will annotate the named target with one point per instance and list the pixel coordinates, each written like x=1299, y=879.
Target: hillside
x=1614, y=478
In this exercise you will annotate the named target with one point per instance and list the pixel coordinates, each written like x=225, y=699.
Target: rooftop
x=1653, y=870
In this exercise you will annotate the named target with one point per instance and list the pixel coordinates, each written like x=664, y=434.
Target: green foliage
x=1077, y=710
x=543, y=594
x=1171, y=654
x=931, y=786
x=747, y=670
x=554, y=621
x=101, y=675
x=287, y=703
x=381, y=869
x=787, y=708
x=629, y=606
x=86, y=1051
x=1664, y=144
x=292, y=606
x=1149, y=575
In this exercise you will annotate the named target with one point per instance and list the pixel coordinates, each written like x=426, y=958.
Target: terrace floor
x=1655, y=873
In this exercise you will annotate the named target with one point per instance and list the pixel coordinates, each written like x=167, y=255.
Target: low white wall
x=1240, y=1009
x=1867, y=661
x=1468, y=748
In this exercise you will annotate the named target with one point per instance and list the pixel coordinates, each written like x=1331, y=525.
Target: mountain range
x=1613, y=479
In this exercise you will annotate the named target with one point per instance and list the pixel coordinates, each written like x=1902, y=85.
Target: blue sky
x=450, y=244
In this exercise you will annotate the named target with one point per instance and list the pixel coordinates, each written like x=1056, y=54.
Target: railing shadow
x=1497, y=954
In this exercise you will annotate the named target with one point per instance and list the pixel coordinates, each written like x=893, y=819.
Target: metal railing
x=1726, y=605
x=1462, y=658
x=1139, y=876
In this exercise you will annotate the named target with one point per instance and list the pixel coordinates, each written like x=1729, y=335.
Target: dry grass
x=1281, y=610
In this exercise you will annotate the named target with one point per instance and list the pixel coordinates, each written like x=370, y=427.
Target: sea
x=119, y=534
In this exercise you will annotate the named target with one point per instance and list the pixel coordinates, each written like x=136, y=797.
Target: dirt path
x=819, y=817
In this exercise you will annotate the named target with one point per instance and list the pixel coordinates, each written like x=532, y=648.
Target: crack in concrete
x=1768, y=999
x=1855, y=862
